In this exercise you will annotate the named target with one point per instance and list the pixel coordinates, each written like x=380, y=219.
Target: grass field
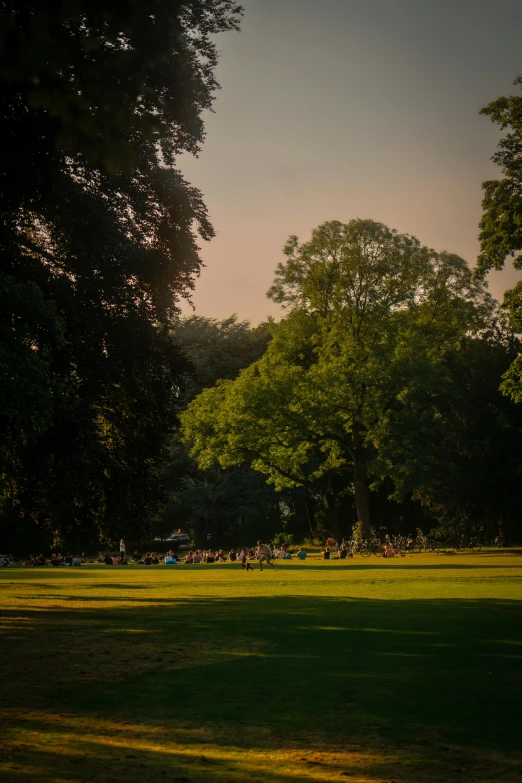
x=407, y=670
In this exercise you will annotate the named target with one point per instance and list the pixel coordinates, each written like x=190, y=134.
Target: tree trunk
x=360, y=482
x=308, y=515
x=201, y=527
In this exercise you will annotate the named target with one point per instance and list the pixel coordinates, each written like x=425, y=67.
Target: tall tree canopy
x=99, y=240
x=373, y=315
x=501, y=224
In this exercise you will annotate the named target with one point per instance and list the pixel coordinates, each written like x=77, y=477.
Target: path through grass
x=406, y=671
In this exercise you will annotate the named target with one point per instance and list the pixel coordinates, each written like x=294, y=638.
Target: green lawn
x=407, y=670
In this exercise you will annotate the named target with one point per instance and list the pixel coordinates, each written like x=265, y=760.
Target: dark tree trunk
x=360, y=482
x=331, y=505
x=308, y=514
x=201, y=527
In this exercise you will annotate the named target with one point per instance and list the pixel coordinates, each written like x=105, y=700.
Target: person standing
x=264, y=555
x=122, y=548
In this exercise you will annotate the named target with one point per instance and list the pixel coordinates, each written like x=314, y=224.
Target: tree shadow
x=280, y=689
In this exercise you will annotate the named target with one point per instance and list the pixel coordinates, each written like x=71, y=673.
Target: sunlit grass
x=369, y=671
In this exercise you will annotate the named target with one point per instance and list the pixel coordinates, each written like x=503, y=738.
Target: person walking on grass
x=264, y=555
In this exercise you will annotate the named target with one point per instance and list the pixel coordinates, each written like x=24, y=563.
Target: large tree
x=372, y=315
x=101, y=230
x=501, y=224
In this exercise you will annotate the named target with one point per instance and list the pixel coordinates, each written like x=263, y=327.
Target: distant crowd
x=195, y=556
x=262, y=554
x=57, y=559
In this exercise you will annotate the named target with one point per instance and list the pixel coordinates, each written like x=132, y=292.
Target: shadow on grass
x=270, y=688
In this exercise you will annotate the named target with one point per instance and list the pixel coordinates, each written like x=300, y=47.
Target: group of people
x=388, y=550
x=34, y=561
x=149, y=558
x=57, y=559
x=208, y=556
x=261, y=553
x=113, y=558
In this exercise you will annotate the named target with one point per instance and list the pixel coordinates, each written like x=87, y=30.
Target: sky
x=339, y=109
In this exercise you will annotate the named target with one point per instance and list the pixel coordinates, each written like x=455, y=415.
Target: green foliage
x=372, y=318
x=501, y=223
x=99, y=240
x=313, y=542
x=357, y=532
x=115, y=77
x=283, y=540
x=456, y=446
x=226, y=504
x=217, y=350
x=30, y=329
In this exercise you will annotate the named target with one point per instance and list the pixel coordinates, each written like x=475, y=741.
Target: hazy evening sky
x=337, y=109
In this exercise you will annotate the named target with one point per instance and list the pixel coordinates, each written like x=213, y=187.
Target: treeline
x=387, y=395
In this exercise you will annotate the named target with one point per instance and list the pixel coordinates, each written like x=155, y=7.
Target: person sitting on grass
x=198, y=556
x=210, y=557
x=115, y=560
x=155, y=558
x=232, y=555
x=281, y=553
x=122, y=560
x=101, y=557
x=76, y=561
x=301, y=555
x=326, y=553
x=343, y=553
x=220, y=557
x=147, y=560
x=136, y=556
x=388, y=550
x=170, y=558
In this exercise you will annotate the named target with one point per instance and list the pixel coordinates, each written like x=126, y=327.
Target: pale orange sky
x=349, y=108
